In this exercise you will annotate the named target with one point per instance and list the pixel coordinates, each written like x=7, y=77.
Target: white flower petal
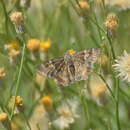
x=122, y=66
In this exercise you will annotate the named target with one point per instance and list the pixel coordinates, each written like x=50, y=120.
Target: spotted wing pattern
x=83, y=62
x=75, y=69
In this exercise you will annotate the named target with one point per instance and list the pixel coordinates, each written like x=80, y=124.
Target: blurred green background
x=63, y=22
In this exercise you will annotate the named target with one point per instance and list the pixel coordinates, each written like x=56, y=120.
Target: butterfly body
x=70, y=68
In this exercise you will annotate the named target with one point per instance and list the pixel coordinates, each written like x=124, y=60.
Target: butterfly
x=74, y=66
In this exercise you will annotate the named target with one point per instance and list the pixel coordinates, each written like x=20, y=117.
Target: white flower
x=122, y=66
x=67, y=112
x=120, y=4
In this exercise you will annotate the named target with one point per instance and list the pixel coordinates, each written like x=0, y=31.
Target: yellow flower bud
x=47, y=102
x=33, y=44
x=3, y=117
x=45, y=45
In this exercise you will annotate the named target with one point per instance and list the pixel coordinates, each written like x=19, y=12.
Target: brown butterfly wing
x=63, y=76
x=57, y=69
x=51, y=67
x=83, y=62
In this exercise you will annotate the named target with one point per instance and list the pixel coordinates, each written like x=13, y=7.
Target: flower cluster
x=37, y=45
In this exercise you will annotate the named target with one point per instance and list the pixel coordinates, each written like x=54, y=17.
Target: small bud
x=47, y=102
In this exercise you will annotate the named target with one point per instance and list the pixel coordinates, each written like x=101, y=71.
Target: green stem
x=110, y=43
x=18, y=79
x=6, y=16
x=85, y=106
x=117, y=104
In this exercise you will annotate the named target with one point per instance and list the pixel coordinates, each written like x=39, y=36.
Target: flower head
x=2, y=73
x=47, y=102
x=39, y=79
x=120, y=4
x=12, y=45
x=45, y=45
x=18, y=101
x=18, y=20
x=33, y=44
x=84, y=5
x=111, y=23
x=3, y=117
x=13, y=53
x=122, y=66
x=13, y=50
x=98, y=89
x=71, y=52
x=67, y=114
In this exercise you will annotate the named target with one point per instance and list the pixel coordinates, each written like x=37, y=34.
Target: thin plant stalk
x=85, y=107
x=110, y=43
x=117, y=104
x=18, y=79
x=6, y=16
